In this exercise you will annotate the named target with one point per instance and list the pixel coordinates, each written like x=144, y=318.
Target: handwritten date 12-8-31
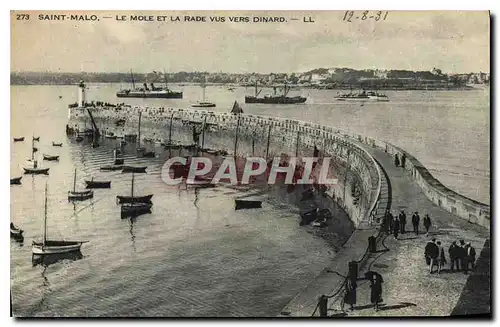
x=350, y=15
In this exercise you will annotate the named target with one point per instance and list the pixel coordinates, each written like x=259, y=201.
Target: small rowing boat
x=50, y=157
x=18, y=139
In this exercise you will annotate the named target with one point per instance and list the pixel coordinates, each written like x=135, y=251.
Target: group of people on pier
x=396, y=224
x=462, y=256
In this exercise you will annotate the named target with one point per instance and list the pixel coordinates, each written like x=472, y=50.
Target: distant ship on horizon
x=362, y=96
x=275, y=99
x=145, y=92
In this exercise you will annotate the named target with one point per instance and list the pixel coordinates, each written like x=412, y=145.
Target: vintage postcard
x=327, y=164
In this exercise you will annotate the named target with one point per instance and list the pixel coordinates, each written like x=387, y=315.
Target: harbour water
x=194, y=255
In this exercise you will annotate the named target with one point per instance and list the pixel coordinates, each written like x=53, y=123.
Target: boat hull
x=98, y=184
x=15, y=181
x=149, y=95
x=112, y=167
x=56, y=144
x=54, y=247
x=275, y=100
x=203, y=105
x=50, y=158
x=135, y=209
x=131, y=169
x=134, y=199
x=36, y=171
x=80, y=196
x=18, y=139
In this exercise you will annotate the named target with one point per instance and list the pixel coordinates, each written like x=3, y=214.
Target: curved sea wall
x=295, y=138
x=358, y=188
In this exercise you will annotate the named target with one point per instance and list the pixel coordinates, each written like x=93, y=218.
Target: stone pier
x=361, y=163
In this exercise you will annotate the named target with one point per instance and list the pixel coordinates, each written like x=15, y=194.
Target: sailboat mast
x=256, y=94
x=139, y=132
x=132, y=190
x=133, y=81
x=74, y=182
x=33, y=147
x=45, y=218
x=165, y=78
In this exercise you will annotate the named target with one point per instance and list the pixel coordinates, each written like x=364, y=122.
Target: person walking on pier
x=469, y=257
x=415, y=220
x=441, y=259
x=396, y=160
x=350, y=294
x=376, y=281
x=395, y=228
x=390, y=221
x=461, y=254
x=402, y=221
x=431, y=253
x=453, y=252
x=403, y=161
x=427, y=224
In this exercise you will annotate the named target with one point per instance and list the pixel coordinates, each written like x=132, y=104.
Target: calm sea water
x=194, y=255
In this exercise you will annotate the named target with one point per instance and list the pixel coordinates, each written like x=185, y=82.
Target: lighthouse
x=81, y=94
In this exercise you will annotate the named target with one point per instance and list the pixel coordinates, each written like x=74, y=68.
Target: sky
x=453, y=41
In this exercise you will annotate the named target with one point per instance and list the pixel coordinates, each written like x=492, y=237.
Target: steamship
x=275, y=99
x=362, y=96
x=145, y=92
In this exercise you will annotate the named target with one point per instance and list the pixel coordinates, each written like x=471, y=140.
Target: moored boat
x=32, y=163
x=56, y=144
x=18, y=139
x=111, y=167
x=36, y=138
x=50, y=157
x=79, y=195
x=52, y=246
x=98, y=184
x=142, y=152
x=78, y=138
x=15, y=180
x=133, y=198
x=15, y=231
x=134, y=169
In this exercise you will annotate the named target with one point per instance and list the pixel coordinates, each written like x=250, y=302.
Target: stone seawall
x=259, y=136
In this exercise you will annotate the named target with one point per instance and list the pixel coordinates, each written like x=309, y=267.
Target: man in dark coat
x=395, y=228
x=431, y=253
x=461, y=254
x=453, y=252
x=396, y=160
x=469, y=257
x=391, y=221
x=427, y=223
x=402, y=221
x=403, y=160
x=415, y=220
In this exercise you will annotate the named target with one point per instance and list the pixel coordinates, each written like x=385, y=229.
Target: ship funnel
x=81, y=94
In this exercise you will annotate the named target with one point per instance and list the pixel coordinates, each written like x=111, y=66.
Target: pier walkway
x=408, y=288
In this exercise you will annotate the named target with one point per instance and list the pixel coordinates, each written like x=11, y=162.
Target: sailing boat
x=53, y=247
x=132, y=198
x=236, y=108
x=136, y=208
x=79, y=195
x=203, y=103
x=141, y=152
x=33, y=163
x=16, y=232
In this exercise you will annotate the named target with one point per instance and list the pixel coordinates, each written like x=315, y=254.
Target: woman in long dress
x=350, y=294
x=376, y=281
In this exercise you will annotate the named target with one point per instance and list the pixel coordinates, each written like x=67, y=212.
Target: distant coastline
x=337, y=78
